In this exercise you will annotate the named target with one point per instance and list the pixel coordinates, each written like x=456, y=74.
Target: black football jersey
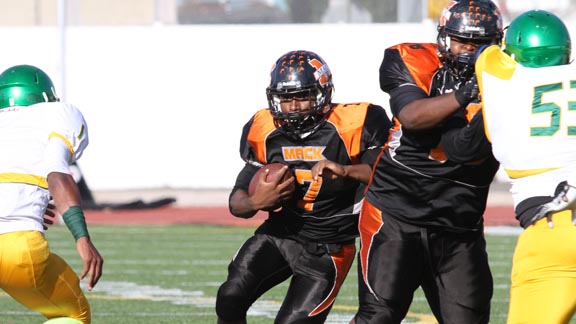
x=416, y=180
x=323, y=210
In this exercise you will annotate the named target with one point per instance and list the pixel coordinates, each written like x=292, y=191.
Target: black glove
x=467, y=92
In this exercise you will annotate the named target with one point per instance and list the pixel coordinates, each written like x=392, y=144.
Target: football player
x=528, y=92
x=421, y=223
x=311, y=239
x=39, y=138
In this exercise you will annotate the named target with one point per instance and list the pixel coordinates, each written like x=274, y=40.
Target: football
x=273, y=175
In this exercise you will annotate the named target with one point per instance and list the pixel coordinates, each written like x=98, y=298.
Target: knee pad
x=232, y=302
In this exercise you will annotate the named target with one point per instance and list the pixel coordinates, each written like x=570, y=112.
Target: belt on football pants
x=316, y=248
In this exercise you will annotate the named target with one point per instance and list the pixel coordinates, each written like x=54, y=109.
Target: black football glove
x=467, y=92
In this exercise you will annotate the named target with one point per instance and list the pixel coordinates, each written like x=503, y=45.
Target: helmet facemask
x=460, y=65
x=299, y=124
x=468, y=21
x=304, y=77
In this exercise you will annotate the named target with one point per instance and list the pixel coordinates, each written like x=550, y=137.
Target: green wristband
x=75, y=221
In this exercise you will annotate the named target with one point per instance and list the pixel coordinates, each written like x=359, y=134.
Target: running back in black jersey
x=323, y=210
x=416, y=180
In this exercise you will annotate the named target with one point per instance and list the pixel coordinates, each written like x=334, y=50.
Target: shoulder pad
x=409, y=63
x=495, y=62
x=255, y=134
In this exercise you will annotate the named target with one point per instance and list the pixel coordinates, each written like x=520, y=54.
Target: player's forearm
x=67, y=200
x=360, y=172
x=240, y=204
x=63, y=190
x=428, y=112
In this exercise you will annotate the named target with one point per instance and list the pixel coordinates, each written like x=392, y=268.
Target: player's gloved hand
x=467, y=92
x=564, y=199
x=49, y=215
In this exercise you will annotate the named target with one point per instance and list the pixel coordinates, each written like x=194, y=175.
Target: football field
x=170, y=274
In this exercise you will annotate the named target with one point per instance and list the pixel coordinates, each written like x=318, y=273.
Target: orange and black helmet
x=474, y=21
x=300, y=74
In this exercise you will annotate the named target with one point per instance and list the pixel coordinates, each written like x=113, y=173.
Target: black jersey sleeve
x=393, y=71
x=243, y=179
x=406, y=72
x=248, y=155
x=403, y=95
x=375, y=133
x=246, y=151
x=465, y=143
x=245, y=176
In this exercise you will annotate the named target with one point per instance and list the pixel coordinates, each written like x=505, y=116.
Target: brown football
x=273, y=175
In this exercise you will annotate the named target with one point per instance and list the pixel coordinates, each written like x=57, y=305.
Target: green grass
x=170, y=274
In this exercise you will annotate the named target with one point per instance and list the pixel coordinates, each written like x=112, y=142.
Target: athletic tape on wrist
x=75, y=221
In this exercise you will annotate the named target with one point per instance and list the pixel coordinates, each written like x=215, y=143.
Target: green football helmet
x=538, y=38
x=25, y=85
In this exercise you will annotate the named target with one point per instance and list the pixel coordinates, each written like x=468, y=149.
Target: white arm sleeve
x=57, y=156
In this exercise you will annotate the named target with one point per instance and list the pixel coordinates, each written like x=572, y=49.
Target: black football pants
x=451, y=268
x=265, y=261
